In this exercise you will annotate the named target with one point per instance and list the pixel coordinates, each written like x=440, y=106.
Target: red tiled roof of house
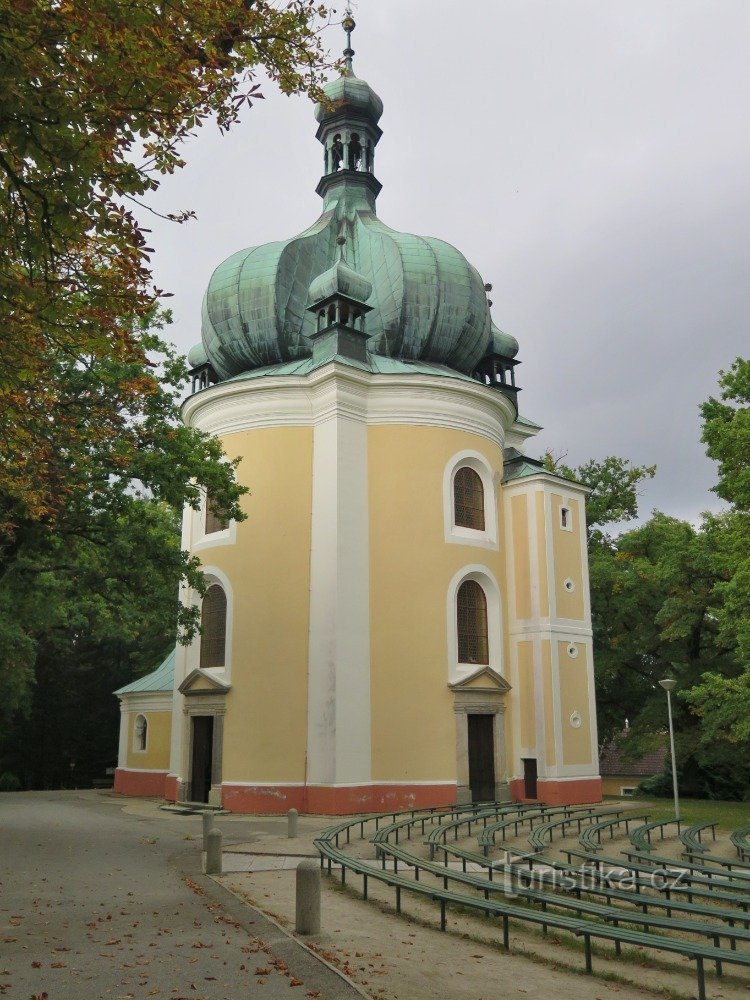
x=611, y=762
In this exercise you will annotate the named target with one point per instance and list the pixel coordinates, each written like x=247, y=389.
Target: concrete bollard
x=292, y=817
x=308, y=898
x=213, y=852
x=208, y=825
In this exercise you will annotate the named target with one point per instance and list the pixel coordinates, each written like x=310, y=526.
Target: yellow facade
x=411, y=566
x=156, y=755
x=269, y=571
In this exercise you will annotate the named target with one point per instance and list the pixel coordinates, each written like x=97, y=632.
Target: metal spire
x=348, y=24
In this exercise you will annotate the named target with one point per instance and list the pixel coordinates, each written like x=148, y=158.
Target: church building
x=403, y=620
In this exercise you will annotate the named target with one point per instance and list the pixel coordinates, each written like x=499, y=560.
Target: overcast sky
x=589, y=157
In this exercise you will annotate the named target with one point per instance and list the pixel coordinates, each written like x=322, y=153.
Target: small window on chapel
x=140, y=733
x=468, y=499
x=471, y=622
x=566, y=519
x=215, y=521
x=213, y=628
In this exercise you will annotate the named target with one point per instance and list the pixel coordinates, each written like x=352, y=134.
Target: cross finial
x=348, y=24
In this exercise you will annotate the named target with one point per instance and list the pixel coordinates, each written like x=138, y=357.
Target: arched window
x=213, y=627
x=355, y=152
x=140, y=733
x=471, y=623
x=468, y=499
x=215, y=521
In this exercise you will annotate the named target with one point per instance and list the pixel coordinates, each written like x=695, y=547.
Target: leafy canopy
x=96, y=97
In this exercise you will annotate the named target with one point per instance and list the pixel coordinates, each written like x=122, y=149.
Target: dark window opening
x=355, y=152
x=141, y=732
x=337, y=153
x=213, y=628
x=215, y=520
x=471, y=621
x=468, y=494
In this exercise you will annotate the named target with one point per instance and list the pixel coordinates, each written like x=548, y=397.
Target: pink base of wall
x=147, y=783
x=331, y=801
x=561, y=793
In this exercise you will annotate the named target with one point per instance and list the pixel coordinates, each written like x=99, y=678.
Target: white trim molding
x=456, y=533
x=295, y=400
x=487, y=581
x=192, y=659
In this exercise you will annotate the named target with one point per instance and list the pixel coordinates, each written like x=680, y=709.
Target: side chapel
x=403, y=620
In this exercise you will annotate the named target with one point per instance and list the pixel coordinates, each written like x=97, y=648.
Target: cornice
x=341, y=390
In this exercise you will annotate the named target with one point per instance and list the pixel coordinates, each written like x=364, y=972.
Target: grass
x=729, y=815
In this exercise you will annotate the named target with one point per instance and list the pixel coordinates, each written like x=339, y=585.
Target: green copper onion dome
x=339, y=280
x=349, y=94
x=503, y=344
x=197, y=356
x=427, y=303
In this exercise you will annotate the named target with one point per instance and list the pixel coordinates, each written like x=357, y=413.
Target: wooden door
x=202, y=757
x=482, y=757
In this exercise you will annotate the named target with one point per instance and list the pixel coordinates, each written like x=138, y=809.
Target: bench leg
x=442, y=914
x=398, y=899
x=364, y=886
x=343, y=874
x=506, y=932
x=701, y=979
x=717, y=944
x=416, y=873
x=587, y=947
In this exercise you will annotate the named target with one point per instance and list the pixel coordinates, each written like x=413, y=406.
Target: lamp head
x=668, y=683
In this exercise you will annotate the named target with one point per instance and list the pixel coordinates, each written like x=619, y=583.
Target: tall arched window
x=468, y=499
x=471, y=623
x=215, y=521
x=213, y=627
x=140, y=735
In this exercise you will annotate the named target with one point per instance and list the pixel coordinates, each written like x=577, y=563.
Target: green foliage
x=108, y=566
x=96, y=100
x=671, y=598
x=726, y=434
x=614, y=486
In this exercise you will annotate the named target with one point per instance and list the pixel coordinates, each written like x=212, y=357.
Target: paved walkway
x=101, y=897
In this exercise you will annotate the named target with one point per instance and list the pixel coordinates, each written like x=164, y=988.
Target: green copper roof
x=428, y=302
x=339, y=280
x=503, y=344
x=374, y=364
x=161, y=679
x=350, y=94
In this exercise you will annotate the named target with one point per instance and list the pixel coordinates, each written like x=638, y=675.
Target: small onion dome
x=503, y=344
x=339, y=280
x=197, y=356
x=349, y=93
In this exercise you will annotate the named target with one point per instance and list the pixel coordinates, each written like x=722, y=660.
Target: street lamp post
x=669, y=684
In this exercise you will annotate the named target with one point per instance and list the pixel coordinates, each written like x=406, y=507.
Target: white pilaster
x=338, y=749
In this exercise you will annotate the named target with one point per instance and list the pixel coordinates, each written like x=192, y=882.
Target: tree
x=96, y=98
x=721, y=700
x=91, y=616
x=659, y=597
x=614, y=486
x=118, y=458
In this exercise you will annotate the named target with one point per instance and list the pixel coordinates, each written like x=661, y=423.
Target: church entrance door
x=482, y=757
x=202, y=757
x=529, y=777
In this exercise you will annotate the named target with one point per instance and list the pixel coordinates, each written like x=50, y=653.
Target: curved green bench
x=594, y=830
x=691, y=838
x=741, y=840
